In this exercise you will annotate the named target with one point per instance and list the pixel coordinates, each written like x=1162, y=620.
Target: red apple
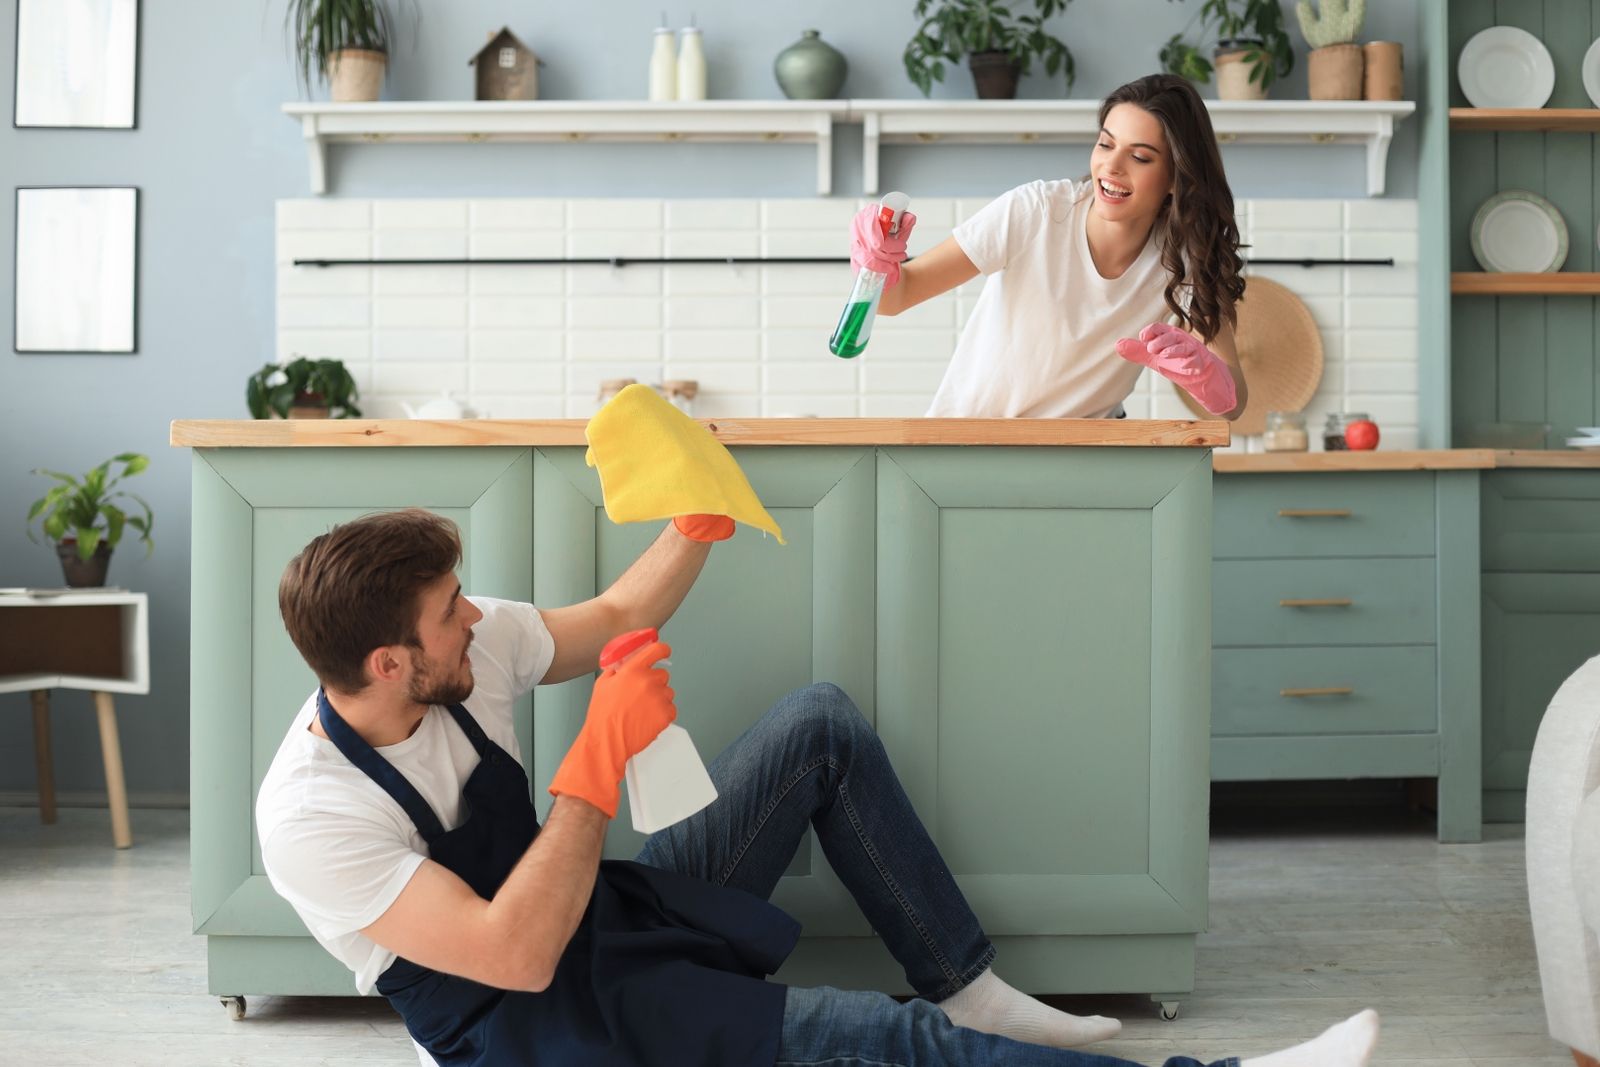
x=1361, y=435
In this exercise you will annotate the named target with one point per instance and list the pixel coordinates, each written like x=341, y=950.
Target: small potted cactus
x=1334, y=67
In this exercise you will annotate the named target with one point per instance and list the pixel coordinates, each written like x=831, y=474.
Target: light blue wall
x=212, y=153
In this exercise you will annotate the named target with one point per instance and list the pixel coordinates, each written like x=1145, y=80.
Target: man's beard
x=430, y=686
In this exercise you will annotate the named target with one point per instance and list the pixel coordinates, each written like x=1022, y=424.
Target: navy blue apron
x=664, y=969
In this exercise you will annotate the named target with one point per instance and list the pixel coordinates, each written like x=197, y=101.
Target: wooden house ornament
x=507, y=68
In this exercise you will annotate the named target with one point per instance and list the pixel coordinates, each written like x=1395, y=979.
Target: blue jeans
x=813, y=761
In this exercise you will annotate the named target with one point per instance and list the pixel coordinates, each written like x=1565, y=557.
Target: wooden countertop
x=1379, y=460
x=322, y=433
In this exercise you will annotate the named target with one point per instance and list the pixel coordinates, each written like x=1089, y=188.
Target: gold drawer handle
x=1313, y=513
x=1328, y=602
x=1324, y=691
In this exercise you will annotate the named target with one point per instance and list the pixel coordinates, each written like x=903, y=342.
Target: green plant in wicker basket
x=301, y=382
x=1337, y=21
x=84, y=507
x=1261, y=20
x=959, y=28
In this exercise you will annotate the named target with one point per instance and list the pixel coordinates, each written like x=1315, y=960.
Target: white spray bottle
x=667, y=782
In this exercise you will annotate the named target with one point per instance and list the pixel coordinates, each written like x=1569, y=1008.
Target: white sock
x=1346, y=1044
x=988, y=1004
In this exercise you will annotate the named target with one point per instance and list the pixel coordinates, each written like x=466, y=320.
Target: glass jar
x=1286, y=432
x=610, y=387
x=1333, y=429
x=680, y=392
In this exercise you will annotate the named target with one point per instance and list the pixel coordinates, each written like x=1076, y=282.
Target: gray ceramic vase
x=810, y=69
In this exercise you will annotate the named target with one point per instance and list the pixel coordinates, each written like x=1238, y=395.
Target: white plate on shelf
x=1503, y=66
x=1519, y=231
x=1591, y=72
x=1583, y=442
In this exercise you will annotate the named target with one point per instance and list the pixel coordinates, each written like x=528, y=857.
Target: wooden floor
x=1312, y=920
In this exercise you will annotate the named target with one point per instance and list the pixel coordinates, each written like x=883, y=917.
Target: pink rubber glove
x=1178, y=355
x=873, y=249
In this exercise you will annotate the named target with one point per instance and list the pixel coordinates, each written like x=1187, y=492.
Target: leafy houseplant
x=1249, y=33
x=81, y=516
x=1000, y=45
x=302, y=388
x=345, y=42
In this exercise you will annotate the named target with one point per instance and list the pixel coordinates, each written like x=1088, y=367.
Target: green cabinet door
x=1537, y=630
x=762, y=619
x=253, y=511
x=1043, y=690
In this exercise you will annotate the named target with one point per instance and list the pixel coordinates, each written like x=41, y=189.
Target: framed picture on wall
x=77, y=63
x=76, y=282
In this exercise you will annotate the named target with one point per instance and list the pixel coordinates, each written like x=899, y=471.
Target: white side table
x=95, y=640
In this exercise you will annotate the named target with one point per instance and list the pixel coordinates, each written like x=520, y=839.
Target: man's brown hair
x=356, y=588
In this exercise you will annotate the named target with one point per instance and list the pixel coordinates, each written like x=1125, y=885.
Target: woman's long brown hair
x=1198, y=236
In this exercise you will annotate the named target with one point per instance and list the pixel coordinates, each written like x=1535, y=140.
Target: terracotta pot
x=78, y=572
x=995, y=75
x=1234, y=70
x=1384, y=77
x=355, y=75
x=1334, y=72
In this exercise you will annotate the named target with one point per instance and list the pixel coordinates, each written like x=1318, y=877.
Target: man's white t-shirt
x=335, y=845
x=1041, y=342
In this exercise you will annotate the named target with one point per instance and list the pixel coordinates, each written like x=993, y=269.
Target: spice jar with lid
x=1333, y=429
x=610, y=387
x=681, y=393
x=1285, y=432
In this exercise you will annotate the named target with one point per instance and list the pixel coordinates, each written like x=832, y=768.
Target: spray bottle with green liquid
x=855, y=324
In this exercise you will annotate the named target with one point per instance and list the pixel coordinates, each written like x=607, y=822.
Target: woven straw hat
x=1280, y=351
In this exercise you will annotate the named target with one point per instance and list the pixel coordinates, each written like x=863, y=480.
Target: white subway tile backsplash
x=421, y=312
x=419, y=215
x=719, y=345
x=517, y=214
x=613, y=313
x=419, y=244
x=531, y=341
x=435, y=345
x=525, y=376
x=311, y=312
x=503, y=312
x=519, y=244
x=815, y=376
x=487, y=346
x=427, y=379
x=741, y=216
x=324, y=214
x=713, y=313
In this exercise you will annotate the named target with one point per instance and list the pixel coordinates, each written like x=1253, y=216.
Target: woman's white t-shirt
x=335, y=845
x=1041, y=342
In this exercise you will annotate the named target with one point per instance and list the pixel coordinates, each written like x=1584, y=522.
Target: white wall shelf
x=1293, y=122
x=1303, y=122
x=759, y=121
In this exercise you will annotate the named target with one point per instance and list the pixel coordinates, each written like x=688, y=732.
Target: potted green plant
x=302, y=389
x=1000, y=47
x=82, y=517
x=345, y=42
x=1335, y=65
x=1252, y=48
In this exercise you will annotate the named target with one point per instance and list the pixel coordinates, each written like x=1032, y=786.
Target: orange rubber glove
x=704, y=527
x=630, y=706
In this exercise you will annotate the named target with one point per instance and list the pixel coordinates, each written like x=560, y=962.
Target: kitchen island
x=1020, y=607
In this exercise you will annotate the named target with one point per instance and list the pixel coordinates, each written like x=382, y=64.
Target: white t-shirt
x=1041, y=342
x=335, y=845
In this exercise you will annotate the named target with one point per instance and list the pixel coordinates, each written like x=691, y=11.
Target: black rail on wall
x=643, y=261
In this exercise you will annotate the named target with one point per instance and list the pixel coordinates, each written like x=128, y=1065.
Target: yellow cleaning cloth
x=655, y=462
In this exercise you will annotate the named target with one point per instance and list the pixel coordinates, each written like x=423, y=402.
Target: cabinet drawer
x=1296, y=691
x=1273, y=516
x=1322, y=602
x=1541, y=521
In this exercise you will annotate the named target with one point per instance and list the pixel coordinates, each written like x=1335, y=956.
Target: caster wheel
x=235, y=1006
x=1169, y=1010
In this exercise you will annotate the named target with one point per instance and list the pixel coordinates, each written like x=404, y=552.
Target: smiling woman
x=1086, y=278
